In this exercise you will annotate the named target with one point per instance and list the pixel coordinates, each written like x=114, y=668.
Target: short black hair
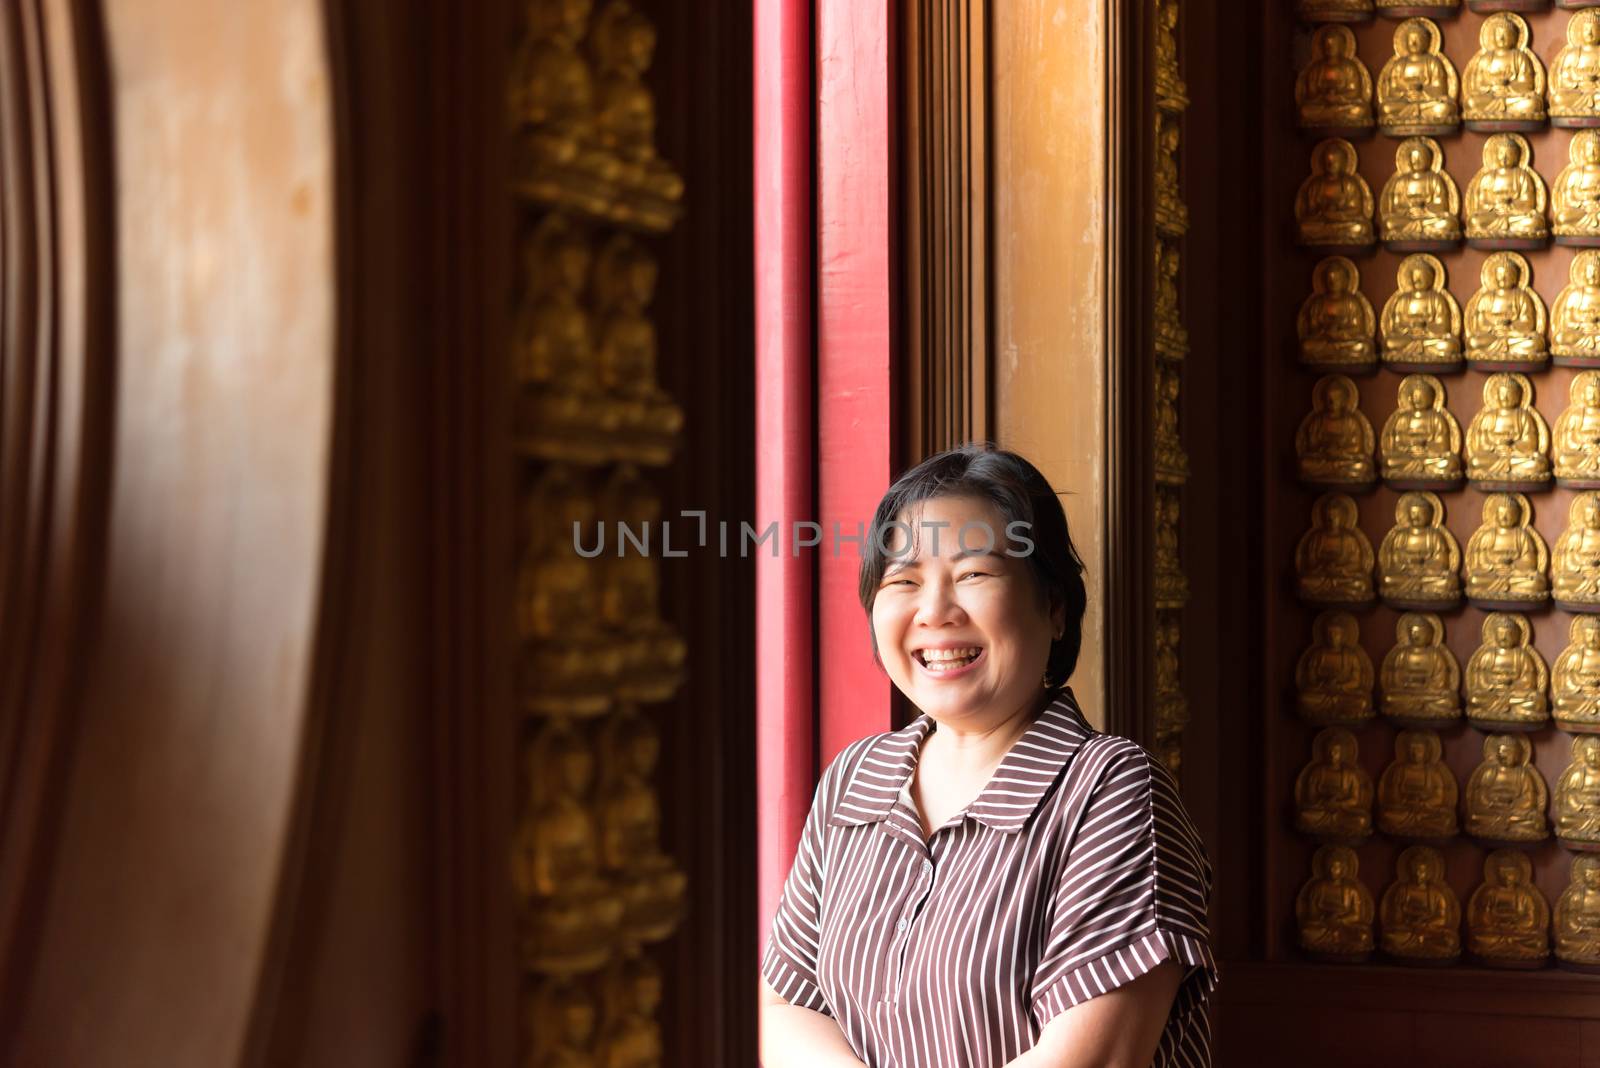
x=1021, y=495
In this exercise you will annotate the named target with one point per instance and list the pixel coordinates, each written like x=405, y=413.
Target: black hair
x=1023, y=498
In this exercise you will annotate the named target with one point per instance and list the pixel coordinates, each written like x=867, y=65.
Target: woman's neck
x=977, y=746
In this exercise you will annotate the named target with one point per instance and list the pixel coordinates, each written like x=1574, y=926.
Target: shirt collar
x=1013, y=792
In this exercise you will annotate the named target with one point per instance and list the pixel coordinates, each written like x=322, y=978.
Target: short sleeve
x=790, y=962
x=1132, y=890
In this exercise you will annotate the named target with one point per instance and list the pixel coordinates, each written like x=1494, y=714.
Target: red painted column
x=786, y=770
x=854, y=286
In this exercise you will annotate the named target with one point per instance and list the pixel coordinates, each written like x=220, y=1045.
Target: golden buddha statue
x=1575, y=317
x=1172, y=214
x=1575, y=679
x=1171, y=94
x=1507, y=561
x=1333, y=208
x=1577, y=918
x=1334, y=559
x=1336, y=323
x=1420, y=681
x=1172, y=585
x=1418, y=88
x=1333, y=94
x=1508, y=922
x=1420, y=208
x=1333, y=678
x=649, y=419
x=1335, y=442
x=1575, y=197
x=651, y=650
x=1506, y=795
x=1333, y=794
x=1421, y=324
x=624, y=44
x=1508, y=442
x=1172, y=337
x=1575, y=443
x=1505, y=319
x=1334, y=909
x=630, y=822
x=1575, y=74
x=1575, y=561
x=1419, y=561
x=1420, y=447
x=1576, y=805
x=1502, y=87
x=1507, y=678
x=1172, y=707
x=1420, y=916
x=1171, y=461
x=1334, y=10
x=1506, y=199
x=630, y=1035
x=560, y=1026
x=1417, y=795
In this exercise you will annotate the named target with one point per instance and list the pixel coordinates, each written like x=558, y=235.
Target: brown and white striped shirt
x=1076, y=870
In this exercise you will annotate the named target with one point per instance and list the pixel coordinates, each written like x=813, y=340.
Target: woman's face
x=943, y=603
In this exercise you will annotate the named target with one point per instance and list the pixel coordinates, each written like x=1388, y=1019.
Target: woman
x=997, y=885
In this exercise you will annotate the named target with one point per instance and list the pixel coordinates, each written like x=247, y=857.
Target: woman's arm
x=1118, y=1029
x=792, y=1037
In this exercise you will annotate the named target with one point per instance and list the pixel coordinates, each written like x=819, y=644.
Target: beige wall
x=1050, y=242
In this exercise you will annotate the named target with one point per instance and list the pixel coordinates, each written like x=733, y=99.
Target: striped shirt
x=1075, y=871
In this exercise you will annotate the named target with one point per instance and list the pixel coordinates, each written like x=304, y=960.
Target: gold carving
x=1420, y=916
x=1575, y=197
x=1172, y=707
x=1575, y=563
x=1575, y=318
x=1421, y=442
x=1420, y=681
x=1334, y=909
x=652, y=654
x=1502, y=87
x=1334, y=676
x=1171, y=462
x=1419, y=562
x=630, y=820
x=560, y=1026
x=1508, y=442
x=1334, y=10
x=1418, y=87
x=1334, y=92
x=632, y=996
x=1333, y=794
x=1420, y=207
x=1172, y=585
x=1336, y=323
x=1577, y=797
x=1421, y=321
x=1508, y=921
x=1334, y=559
x=1575, y=73
x=624, y=44
x=1576, y=441
x=1505, y=318
x=1575, y=679
x=1335, y=442
x=1506, y=795
x=1334, y=206
x=1172, y=339
x=1417, y=795
x=1172, y=215
x=1507, y=678
x=648, y=419
x=1506, y=199
x=1577, y=919
x=1507, y=561
x=1171, y=94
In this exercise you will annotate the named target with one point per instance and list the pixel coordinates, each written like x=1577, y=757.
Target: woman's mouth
x=947, y=663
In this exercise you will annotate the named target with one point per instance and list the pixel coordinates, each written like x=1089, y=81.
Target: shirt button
x=901, y=926
x=927, y=867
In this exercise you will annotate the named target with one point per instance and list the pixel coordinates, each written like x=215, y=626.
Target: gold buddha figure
x=1334, y=93
x=1172, y=214
x=560, y=1026
x=1333, y=208
x=1575, y=679
x=1575, y=196
x=1575, y=561
x=1420, y=917
x=1334, y=10
x=1576, y=804
x=1508, y=443
x=631, y=1037
x=1171, y=94
x=1506, y=795
x=1507, y=561
x=561, y=159
x=1507, y=678
x=1505, y=318
x=1172, y=337
x=649, y=419
x=1335, y=442
x=651, y=650
x=1334, y=909
x=1421, y=324
x=1577, y=918
x=1172, y=707
x=1336, y=324
x=1508, y=922
x=1421, y=442
x=1172, y=462
x=1417, y=795
x=1575, y=317
x=1419, y=561
x=630, y=824
x=1419, y=683
x=1506, y=200
x=1333, y=794
x=1502, y=87
x=1334, y=676
x=623, y=43
x=1575, y=74
x=1575, y=443
x=1420, y=208
x=1172, y=585
x=1334, y=559
x=1418, y=88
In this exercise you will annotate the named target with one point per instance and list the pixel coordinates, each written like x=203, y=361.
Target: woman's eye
x=975, y=574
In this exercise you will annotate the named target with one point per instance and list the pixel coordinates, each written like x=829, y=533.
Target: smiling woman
x=997, y=885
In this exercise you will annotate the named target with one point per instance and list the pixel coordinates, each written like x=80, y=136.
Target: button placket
x=902, y=940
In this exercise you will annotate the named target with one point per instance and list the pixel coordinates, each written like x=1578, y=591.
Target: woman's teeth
x=948, y=659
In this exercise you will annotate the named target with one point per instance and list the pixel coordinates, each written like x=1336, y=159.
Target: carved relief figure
x=1575, y=442
x=1577, y=918
x=1575, y=74
x=1508, y=922
x=1421, y=443
x=1577, y=797
x=1506, y=199
x=1417, y=795
x=1421, y=323
x=1505, y=318
x=1334, y=206
x=1334, y=676
x=1575, y=564
x=1334, y=559
x=1335, y=442
x=1336, y=324
x=1575, y=320
x=1502, y=87
x=1506, y=795
x=1420, y=681
x=1334, y=92
x=1507, y=678
x=1507, y=561
x=1333, y=794
x=1575, y=197
x=1334, y=909
x=1172, y=214
x=1419, y=562
x=1575, y=679
x=1420, y=916
x=1420, y=208
x=1418, y=88
x=1508, y=443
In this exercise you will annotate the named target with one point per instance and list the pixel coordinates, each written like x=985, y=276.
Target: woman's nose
x=937, y=604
